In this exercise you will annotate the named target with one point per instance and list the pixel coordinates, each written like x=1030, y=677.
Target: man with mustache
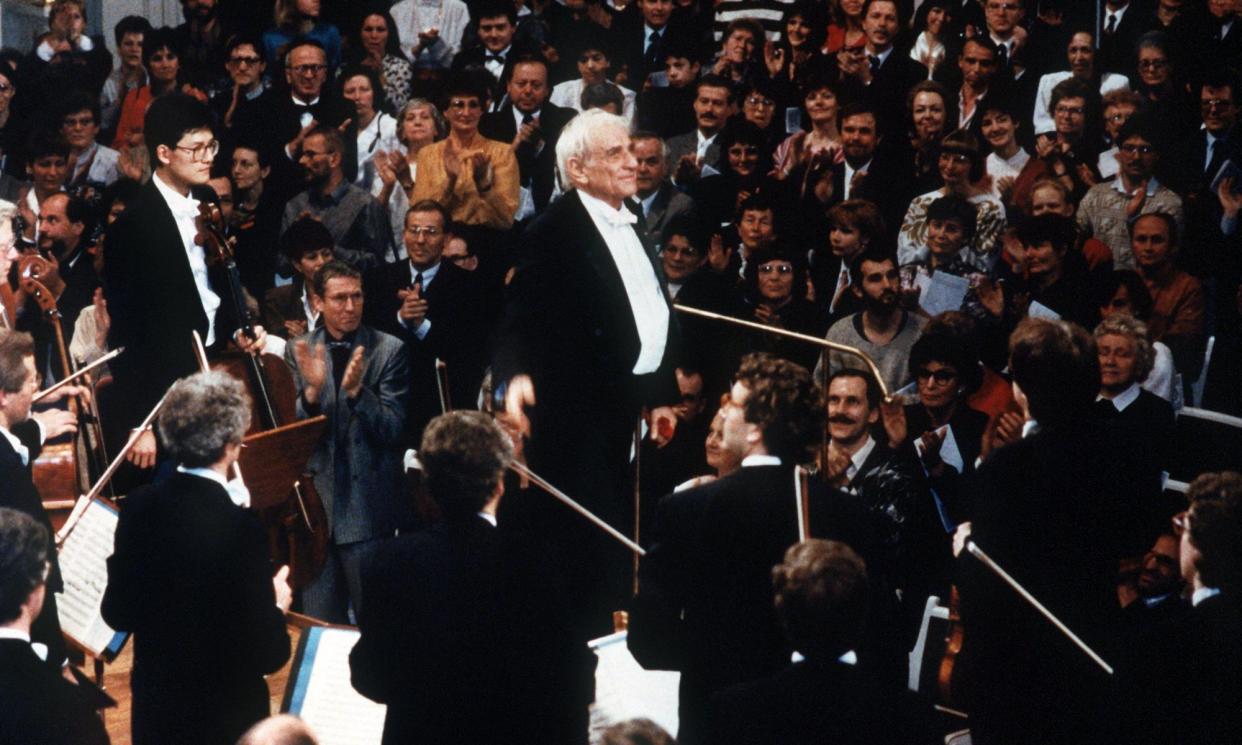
x=882, y=329
x=687, y=153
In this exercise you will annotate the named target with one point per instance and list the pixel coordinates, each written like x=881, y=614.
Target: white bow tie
x=619, y=217
x=188, y=209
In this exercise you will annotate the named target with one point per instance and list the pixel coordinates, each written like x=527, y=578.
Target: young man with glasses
x=159, y=286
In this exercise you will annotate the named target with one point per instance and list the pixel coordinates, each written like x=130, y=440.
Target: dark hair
x=263, y=154
x=431, y=205
x=334, y=269
x=983, y=41
x=1071, y=87
x=689, y=226
x=24, y=555
x=784, y=402
x=79, y=100
x=1056, y=366
x=862, y=215
x=774, y=252
x=953, y=207
x=393, y=46
x=171, y=117
x=860, y=108
x=123, y=190
x=44, y=142
x=962, y=142
x=1136, y=289
x=157, y=39
x=599, y=95
x=760, y=201
x=681, y=46
x=1220, y=77
x=874, y=394
x=531, y=58
x=873, y=253
x=1143, y=125
x=332, y=138
x=1216, y=528
x=130, y=25
x=494, y=9
x=949, y=348
x=816, y=17
x=1058, y=230
x=821, y=597
x=744, y=131
x=466, y=83
x=636, y=732
x=712, y=80
x=377, y=86
x=306, y=234
x=919, y=24
x=463, y=455
x=244, y=39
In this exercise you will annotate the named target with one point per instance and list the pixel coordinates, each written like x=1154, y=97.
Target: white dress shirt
x=185, y=212
x=1122, y=400
x=859, y=458
x=22, y=451
x=647, y=302
x=700, y=150
x=1203, y=593
x=238, y=493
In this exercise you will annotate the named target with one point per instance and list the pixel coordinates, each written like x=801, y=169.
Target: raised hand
x=313, y=366
x=351, y=380
x=482, y=172
x=413, y=306
x=893, y=415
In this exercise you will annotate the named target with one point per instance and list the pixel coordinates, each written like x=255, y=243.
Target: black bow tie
x=495, y=58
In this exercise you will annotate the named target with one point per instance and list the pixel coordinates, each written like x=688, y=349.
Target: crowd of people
x=1024, y=215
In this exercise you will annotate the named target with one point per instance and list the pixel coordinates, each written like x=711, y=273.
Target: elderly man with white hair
x=587, y=341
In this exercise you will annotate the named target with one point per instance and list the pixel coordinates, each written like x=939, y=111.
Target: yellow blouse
x=492, y=209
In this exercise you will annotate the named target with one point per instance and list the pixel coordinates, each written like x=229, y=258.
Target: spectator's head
x=690, y=385
x=63, y=221
x=713, y=103
x=465, y=96
x=928, y=110
x=720, y=458
x=743, y=149
x=48, y=164
x=820, y=100
x=1003, y=16
x=652, y=156
x=497, y=23
x=756, y=222
x=1119, y=106
x=603, y=96
x=1153, y=239
x=1056, y=371
x=1138, y=148
x=306, y=68
x=821, y=598
x=742, y=38
x=1046, y=240
x=962, y=162
x=860, y=136
x=338, y=296
x=421, y=123
x=1126, y=355
x=204, y=419
x=322, y=156
x=998, y=123
x=128, y=34
x=593, y=154
x=1049, y=196
x=427, y=227
x=804, y=25
x=1081, y=53
x=464, y=456
x=120, y=194
x=944, y=363
x=977, y=62
x=250, y=166
x=243, y=59
x=18, y=381
x=282, y=729
x=1211, y=548
x=853, y=406
x=594, y=60
x=378, y=36
x=1155, y=60
x=656, y=12
x=681, y=59
x=774, y=408
x=854, y=225
x=683, y=247
x=528, y=85
x=1160, y=573
x=775, y=275
x=950, y=225
x=25, y=554
x=308, y=246
x=67, y=18
x=759, y=103
x=637, y=731
x=1124, y=292
x=360, y=85
x=161, y=57
x=881, y=22
x=290, y=15
x=874, y=280
x=1217, y=105
x=1068, y=106
x=457, y=252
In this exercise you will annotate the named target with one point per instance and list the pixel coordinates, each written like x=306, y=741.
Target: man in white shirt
x=431, y=31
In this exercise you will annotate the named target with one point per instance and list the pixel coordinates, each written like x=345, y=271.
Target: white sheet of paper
x=624, y=690
x=83, y=564
x=337, y=713
x=1039, y=310
x=942, y=291
x=949, y=451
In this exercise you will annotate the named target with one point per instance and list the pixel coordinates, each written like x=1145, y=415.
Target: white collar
x=489, y=517
x=882, y=55
x=428, y=274
x=599, y=208
x=648, y=30
x=22, y=451
x=518, y=114
x=1152, y=185
x=648, y=201
x=704, y=140
x=860, y=456
x=1122, y=400
x=1007, y=44
x=1203, y=593
x=850, y=170
x=299, y=102
x=760, y=459
x=186, y=206
x=8, y=632
x=237, y=491
x=1119, y=12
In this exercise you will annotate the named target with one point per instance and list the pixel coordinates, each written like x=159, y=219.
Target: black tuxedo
x=191, y=579
x=704, y=604
x=468, y=58
x=275, y=120
x=456, y=310
x=465, y=637
x=19, y=493
x=1117, y=52
x=629, y=35
x=40, y=706
x=154, y=303
x=537, y=168
x=887, y=91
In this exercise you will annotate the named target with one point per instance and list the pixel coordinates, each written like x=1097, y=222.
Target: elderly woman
x=419, y=124
x=1124, y=293
x=189, y=555
x=1126, y=358
x=961, y=169
x=474, y=177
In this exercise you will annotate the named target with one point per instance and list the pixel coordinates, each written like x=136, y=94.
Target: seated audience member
x=188, y=555
x=281, y=729
x=882, y=329
x=1124, y=292
x=669, y=110
x=853, y=226
x=298, y=19
x=47, y=169
x=291, y=310
x=468, y=611
x=593, y=68
x=419, y=124
x=477, y=179
x=948, y=372
x=162, y=59
x=961, y=170
x=775, y=284
x=1126, y=357
x=377, y=45
x=823, y=600
x=659, y=199
x=821, y=105
x=742, y=171
x=758, y=225
x=1080, y=51
x=40, y=705
x=1056, y=278
x=999, y=126
x=374, y=129
x=244, y=61
x=126, y=76
x=356, y=221
x=1177, y=309
x=1071, y=152
x=495, y=24
x=1119, y=106
x=1051, y=195
x=720, y=460
x=741, y=51
x=255, y=217
x=1151, y=593
x=950, y=226
x=688, y=153
x=606, y=96
x=94, y=166
x=1109, y=209
x=759, y=102
x=929, y=116
x=1183, y=682
x=980, y=73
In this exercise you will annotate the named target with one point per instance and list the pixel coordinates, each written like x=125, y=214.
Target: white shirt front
x=859, y=458
x=700, y=150
x=378, y=136
x=1203, y=593
x=185, y=212
x=647, y=302
x=496, y=66
x=1122, y=400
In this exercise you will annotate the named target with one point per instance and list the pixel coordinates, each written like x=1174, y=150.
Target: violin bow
x=200, y=352
x=81, y=371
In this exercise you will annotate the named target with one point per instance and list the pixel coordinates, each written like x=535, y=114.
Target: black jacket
x=40, y=706
x=536, y=164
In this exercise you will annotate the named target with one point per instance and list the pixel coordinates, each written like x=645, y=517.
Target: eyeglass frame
x=196, y=153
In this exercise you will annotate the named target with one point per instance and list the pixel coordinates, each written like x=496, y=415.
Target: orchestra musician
x=587, y=329
x=190, y=577
x=21, y=438
x=158, y=285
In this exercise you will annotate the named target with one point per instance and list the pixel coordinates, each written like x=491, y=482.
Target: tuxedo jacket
x=80, y=283
x=190, y=577
x=536, y=164
x=40, y=706
x=365, y=436
x=19, y=493
x=704, y=604
x=475, y=57
x=1117, y=51
x=154, y=303
x=457, y=311
x=275, y=120
x=465, y=639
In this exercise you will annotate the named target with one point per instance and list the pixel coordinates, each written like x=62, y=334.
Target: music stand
x=273, y=460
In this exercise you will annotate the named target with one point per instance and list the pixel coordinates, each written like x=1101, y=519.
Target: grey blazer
x=687, y=144
x=668, y=203
x=371, y=430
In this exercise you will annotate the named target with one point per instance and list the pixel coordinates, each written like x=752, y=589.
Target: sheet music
x=1039, y=310
x=949, y=451
x=941, y=291
x=83, y=564
x=324, y=697
x=624, y=690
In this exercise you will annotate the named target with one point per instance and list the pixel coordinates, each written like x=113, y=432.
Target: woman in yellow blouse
x=474, y=177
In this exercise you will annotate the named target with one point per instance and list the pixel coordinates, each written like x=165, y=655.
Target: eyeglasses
x=762, y=103
x=465, y=103
x=204, y=152
x=426, y=230
x=1068, y=110
x=5, y=87
x=251, y=61
x=1216, y=103
x=1137, y=149
x=943, y=375
x=778, y=268
x=955, y=157
x=308, y=69
x=1181, y=522
x=77, y=121
x=1152, y=64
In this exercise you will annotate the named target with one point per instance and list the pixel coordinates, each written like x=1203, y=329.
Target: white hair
x=578, y=136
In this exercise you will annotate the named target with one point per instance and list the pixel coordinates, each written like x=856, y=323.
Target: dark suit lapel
x=169, y=253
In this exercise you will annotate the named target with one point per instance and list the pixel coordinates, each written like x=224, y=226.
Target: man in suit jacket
x=438, y=310
x=884, y=75
x=359, y=378
x=704, y=604
x=533, y=126
x=641, y=40
x=497, y=24
x=39, y=704
x=659, y=200
x=190, y=577
x=21, y=439
x=588, y=338
x=159, y=287
x=714, y=103
x=466, y=634
x=1123, y=22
